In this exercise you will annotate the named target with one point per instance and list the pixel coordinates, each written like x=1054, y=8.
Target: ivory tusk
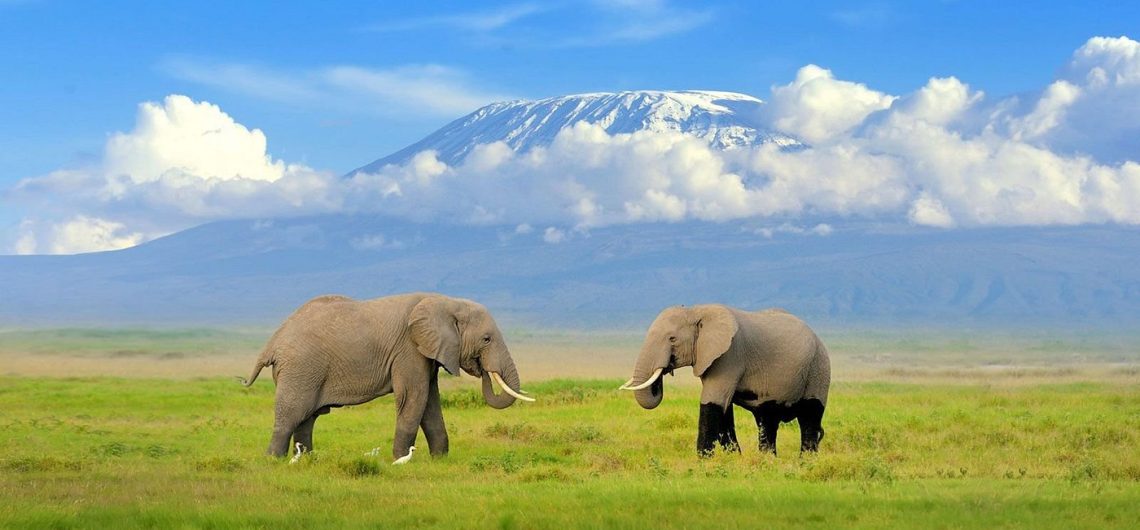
x=647, y=382
x=625, y=384
x=506, y=388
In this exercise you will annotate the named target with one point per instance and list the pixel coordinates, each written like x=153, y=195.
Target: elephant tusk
x=625, y=384
x=647, y=382
x=506, y=388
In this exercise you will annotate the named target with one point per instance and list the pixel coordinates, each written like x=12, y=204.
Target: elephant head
x=460, y=333
x=680, y=336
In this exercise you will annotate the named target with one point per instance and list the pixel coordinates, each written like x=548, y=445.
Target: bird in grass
x=300, y=451
x=406, y=458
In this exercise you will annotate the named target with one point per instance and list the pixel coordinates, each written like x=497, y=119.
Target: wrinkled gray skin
x=768, y=362
x=335, y=351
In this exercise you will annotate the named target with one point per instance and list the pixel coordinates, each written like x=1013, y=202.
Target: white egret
x=406, y=458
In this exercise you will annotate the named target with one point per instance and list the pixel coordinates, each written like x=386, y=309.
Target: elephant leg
x=303, y=434
x=411, y=402
x=727, y=436
x=709, y=427
x=432, y=424
x=809, y=412
x=768, y=424
x=287, y=418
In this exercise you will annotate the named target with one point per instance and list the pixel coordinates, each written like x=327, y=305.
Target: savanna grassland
x=145, y=429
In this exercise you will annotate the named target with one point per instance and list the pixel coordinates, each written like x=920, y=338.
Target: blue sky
x=335, y=85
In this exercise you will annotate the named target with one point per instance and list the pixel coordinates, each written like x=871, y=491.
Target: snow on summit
x=724, y=119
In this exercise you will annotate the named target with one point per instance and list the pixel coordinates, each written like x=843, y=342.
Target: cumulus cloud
x=816, y=106
x=193, y=138
x=184, y=163
x=944, y=155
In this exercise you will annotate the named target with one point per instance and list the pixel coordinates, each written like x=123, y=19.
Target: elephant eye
x=486, y=339
x=672, y=339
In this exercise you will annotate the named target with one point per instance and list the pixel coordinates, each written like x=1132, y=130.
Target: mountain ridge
x=255, y=272
x=725, y=120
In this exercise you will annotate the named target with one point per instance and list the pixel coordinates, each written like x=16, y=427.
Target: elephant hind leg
x=809, y=412
x=288, y=417
x=303, y=434
x=769, y=426
x=768, y=417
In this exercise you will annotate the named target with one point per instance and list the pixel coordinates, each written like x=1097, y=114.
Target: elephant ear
x=716, y=326
x=435, y=330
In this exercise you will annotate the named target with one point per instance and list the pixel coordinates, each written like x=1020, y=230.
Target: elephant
x=335, y=351
x=768, y=362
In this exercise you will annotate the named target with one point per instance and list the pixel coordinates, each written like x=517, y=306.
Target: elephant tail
x=265, y=359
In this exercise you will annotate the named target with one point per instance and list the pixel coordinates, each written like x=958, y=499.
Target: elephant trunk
x=510, y=377
x=647, y=366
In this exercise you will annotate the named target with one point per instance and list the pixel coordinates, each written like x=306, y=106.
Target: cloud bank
x=945, y=155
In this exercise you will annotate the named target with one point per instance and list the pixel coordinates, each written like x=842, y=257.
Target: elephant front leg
x=710, y=428
x=409, y=414
x=410, y=406
x=433, y=426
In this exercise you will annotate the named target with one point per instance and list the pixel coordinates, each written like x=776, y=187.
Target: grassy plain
x=986, y=433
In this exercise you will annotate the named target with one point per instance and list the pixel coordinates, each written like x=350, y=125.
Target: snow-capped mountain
x=862, y=274
x=724, y=119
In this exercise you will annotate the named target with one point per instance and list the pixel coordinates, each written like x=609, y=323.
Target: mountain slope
x=245, y=272
x=724, y=119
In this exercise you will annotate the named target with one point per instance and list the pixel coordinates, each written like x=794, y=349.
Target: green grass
x=149, y=453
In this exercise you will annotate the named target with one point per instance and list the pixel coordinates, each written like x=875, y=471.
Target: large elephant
x=335, y=351
x=769, y=362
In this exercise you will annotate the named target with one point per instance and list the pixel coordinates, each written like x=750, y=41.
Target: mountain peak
x=725, y=120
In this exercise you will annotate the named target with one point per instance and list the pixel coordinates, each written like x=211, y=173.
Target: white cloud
x=634, y=21
x=184, y=163
x=1107, y=61
x=1091, y=110
x=821, y=229
x=192, y=138
x=375, y=242
x=76, y=235
x=942, y=155
x=816, y=106
x=928, y=211
x=939, y=156
x=398, y=91
x=476, y=21
x=553, y=235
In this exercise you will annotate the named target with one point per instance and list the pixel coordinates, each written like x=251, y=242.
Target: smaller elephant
x=334, y=351
x=768, y=362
